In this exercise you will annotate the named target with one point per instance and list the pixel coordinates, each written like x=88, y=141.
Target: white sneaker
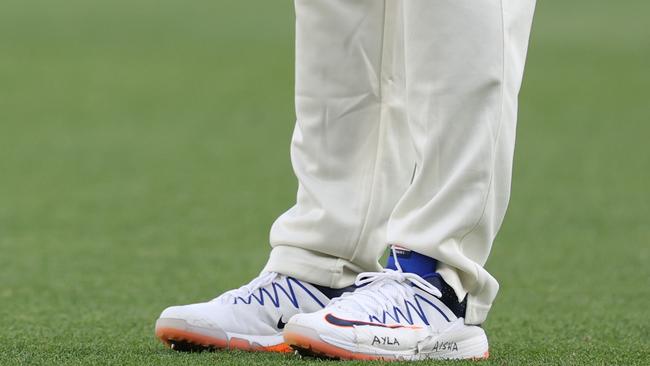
x=249, y=318
x=394, y=316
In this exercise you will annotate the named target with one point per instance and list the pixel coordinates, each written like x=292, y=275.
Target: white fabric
x=406, y=117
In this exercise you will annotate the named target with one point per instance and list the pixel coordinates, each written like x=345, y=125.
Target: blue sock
x=412, y=262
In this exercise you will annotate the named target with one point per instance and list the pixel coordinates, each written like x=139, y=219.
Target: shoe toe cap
x=315, y=324
x=195, y=314
x=173, y=312
x=300, y=319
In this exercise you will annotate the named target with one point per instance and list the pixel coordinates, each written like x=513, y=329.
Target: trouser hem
x=476, y=313
x=311, y=266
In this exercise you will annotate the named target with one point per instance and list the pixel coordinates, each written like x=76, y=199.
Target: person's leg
x=464, y=66
x=348, y=148
x=346, y=153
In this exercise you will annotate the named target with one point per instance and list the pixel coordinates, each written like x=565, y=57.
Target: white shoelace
x=390, y=285
x=262, y=280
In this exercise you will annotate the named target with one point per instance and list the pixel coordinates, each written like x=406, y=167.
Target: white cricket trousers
x=405, y=133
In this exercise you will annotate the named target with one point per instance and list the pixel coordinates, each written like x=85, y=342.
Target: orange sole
x=172, y=336
x=312, y=347
x=319, y=348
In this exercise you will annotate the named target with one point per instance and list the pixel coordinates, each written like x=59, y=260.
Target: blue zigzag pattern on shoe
x=261, y=294
x=398, y=315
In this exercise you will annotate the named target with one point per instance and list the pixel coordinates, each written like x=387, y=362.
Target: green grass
x=144, y=155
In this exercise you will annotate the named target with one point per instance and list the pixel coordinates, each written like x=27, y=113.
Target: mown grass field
x=144, y=155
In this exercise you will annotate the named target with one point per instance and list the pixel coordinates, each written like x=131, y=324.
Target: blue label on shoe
x=401, y=252
x=412, y=262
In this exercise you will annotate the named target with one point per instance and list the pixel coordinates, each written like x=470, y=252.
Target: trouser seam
x=380, y=137
x=498, y=134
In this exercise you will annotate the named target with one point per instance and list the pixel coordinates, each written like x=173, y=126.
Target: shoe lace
x=388, y=285
x=260, y=281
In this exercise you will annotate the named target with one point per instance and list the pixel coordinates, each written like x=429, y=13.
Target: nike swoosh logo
x=281, y=324
x=334, y=320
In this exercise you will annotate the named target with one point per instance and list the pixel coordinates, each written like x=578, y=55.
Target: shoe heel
x=467, y=342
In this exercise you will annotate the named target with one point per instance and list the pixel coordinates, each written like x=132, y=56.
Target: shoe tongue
x=412, y=262
x=334, y=292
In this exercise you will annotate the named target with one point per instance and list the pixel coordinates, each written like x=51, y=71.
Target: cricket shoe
x=249, y=318
x=395, y=316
